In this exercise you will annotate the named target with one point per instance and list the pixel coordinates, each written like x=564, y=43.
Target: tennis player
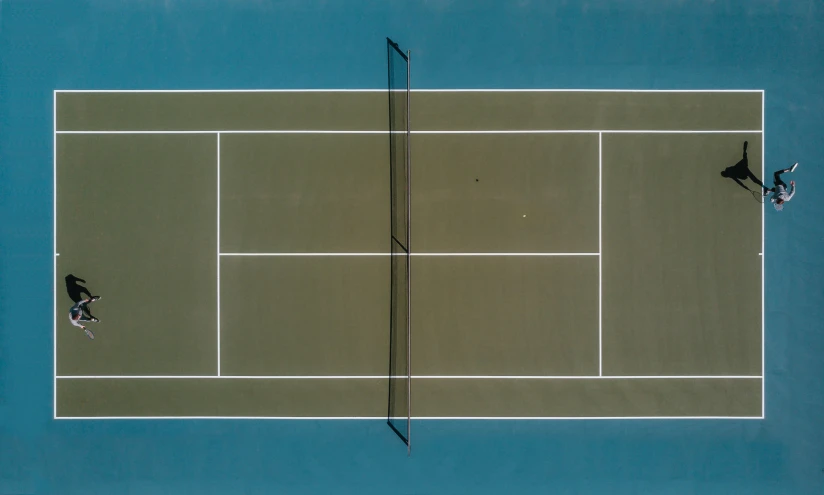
x=781, y=195
x=77, y=314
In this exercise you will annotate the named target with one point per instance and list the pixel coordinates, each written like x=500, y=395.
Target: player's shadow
x=741, y=171
x=76, y=291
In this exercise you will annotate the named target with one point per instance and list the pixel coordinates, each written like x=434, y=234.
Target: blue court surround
x=155, y=44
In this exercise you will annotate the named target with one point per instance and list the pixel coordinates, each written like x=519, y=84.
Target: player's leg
x=777, y=174
x=777, y=177
x=87, y=310
x=86, y=314
x=88, y=317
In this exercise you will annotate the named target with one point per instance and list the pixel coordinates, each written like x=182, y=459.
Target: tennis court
x=574, y=254
x=229, y=177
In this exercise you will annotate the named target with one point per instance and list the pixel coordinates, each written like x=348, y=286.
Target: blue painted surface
x=760, y=44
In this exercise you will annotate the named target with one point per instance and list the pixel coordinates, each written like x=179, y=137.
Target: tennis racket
x=758, y=196
x=89, y=333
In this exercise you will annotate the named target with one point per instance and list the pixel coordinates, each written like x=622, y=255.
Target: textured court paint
x=507, y=315
x=571, y=398
x=304, y=193
x=207, y=111
x=366, y=397
x=204, y=397
x=682, y=275
x=733, y=44
x=471, y=193
x=586, y=110
x=431, y=111
x=304, y=316
x=136, y=220
x=497, y=316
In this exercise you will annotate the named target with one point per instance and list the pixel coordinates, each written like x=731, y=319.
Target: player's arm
x=792, y=190
x=76, y=309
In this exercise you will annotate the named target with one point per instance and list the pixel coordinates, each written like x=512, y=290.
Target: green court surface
x=574, y=254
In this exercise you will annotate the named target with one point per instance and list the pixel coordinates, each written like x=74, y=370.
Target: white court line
x=600, y=258
x=308, y=254
x=231, y=131
x=422, y=132
x=560, y=90
x=434, y=90
x=574, y=418
x=414, y=418
x=763, y=271
x=411, y=254
x=592, y=131
x=305, y=90
x=54, y=246
x=503, y=254
x=414, y=377
x=218, y=254
x=485, y=131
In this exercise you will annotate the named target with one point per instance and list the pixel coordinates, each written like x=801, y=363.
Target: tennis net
x=399, y=413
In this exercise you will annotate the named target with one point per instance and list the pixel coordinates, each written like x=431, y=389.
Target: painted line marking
x=55, y=132
x=434, y=90
x=484, y=131
x=416, y=377
x=54, y=249
x=414, y=418
x=218, y=254
x=600, y=258
x=763, y=271
x=411, y=254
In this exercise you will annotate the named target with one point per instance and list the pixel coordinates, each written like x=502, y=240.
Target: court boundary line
x=763, y=255
x=437, y=132
x=404, y=254
x=414, y=418
x=525, y=90
x=600, y=257
x=422, y=90
x=414, y=377
x=56, y=254
x=218, y=254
